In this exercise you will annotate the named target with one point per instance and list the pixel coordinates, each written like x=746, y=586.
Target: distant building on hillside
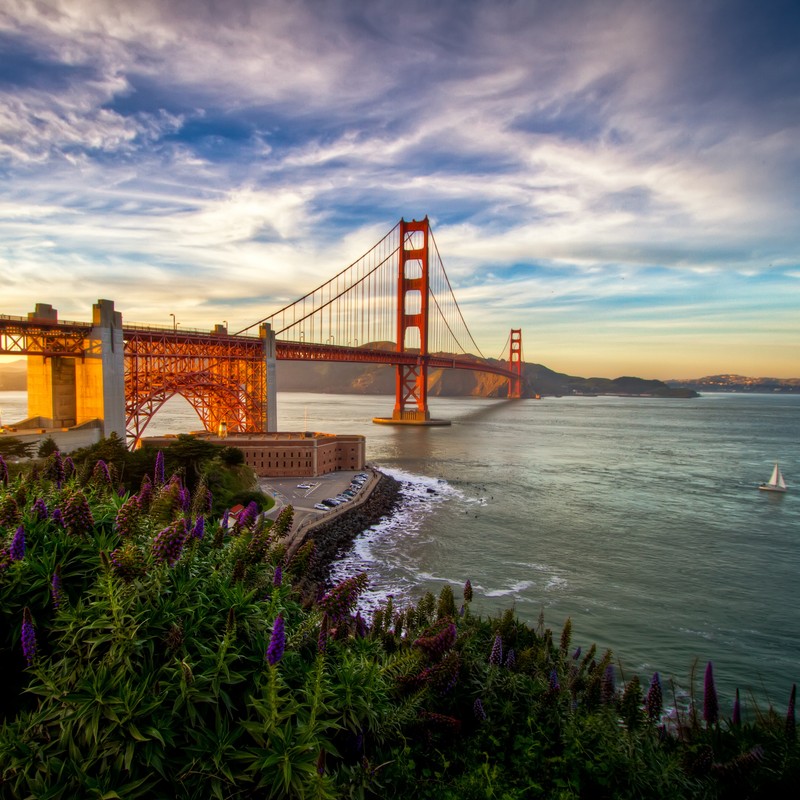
x=278, y=455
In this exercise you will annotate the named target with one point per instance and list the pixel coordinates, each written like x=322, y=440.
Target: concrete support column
x=271, y=361
x=51, y=380
x=100, y=375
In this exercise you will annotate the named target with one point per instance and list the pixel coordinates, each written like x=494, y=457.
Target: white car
x=322, y=507
x=303, y=486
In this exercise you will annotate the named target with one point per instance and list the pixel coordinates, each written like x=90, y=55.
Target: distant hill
x=13, y=376
x=736, y=383
x=344, y=378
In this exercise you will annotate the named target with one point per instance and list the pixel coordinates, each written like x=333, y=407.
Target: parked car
x=303, y=486
x=322, y=507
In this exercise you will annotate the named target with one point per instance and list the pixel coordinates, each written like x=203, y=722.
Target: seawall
x=334, y=534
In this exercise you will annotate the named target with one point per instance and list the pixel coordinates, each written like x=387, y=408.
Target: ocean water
x=638, y=518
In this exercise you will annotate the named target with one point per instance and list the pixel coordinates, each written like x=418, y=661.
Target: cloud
x=573, y=157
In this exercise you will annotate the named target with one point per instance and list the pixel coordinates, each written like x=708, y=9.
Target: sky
x=618, y=178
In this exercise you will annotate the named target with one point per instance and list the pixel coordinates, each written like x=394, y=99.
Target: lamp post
x=174, y=323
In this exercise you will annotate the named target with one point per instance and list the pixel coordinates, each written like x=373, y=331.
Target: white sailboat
x=775, y=483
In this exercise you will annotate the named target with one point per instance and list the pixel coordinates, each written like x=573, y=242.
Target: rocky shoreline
x=333, y=536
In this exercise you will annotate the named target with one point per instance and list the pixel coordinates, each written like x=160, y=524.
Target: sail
x=776, y=473
x=781, y=482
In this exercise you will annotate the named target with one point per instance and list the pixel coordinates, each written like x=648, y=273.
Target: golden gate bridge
x=394, y=306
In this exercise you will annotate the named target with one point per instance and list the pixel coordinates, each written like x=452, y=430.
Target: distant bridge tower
x=515, y=364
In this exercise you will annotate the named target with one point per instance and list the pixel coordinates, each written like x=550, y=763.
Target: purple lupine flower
x=324, y=632
x=168, y=543
x=55, y=469
x=223, y=523
x=511, y=658
x=145, y=495
x=342, y=598
x=199, y=529
x=607, y=685
x=791, y=722
x=710, y=701
x=56, y=589
x=39, y=508
x=496, y=656
x=158, y=472
x=100, y=474
x=277, y=578
x=69, y=468
x=439, y=643
x=555, y=686
x=277, y=642
x=468, y=591
x=126, y=521
x=247, y=517
x=3, y=471
x=57, y=517
x=78, y=517
x=28, y=636
x=577, y=654
x=17, y=549
x=477, y=710
x=184, y=499
x=9, y=512
x=737, y=711
x=654, y=701
x=361, y=626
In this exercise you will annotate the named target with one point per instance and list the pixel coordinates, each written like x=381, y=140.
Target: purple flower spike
x=277, y=578
x=158, y=473
x=56, y=590
x=477, y=710
x=168, y=543
x=17, y=549
x=277, y=643
x=223, y=523
x=28, y=637
x=362, y=629
x=555, y=686
x=57, y=517
x=737, y=711
x=199, y=528
x=496, y=656
x=654, y=701
x=39, y=508
x=577, y=654
x=710, y=701
x=608, y=685
x=511, y=658
x=468, y=592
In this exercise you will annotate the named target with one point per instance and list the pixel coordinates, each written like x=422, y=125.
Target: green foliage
x=150, y=678
x=12, y=447
x=47, y=447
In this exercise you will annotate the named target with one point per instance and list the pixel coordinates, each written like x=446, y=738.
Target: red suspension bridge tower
x=413, y=293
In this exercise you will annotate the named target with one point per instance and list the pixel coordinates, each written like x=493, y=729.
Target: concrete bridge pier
x=69, y=390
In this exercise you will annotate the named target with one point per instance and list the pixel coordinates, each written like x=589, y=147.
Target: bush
x=170, y=656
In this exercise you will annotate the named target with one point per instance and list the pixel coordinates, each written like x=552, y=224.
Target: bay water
x=638, y=518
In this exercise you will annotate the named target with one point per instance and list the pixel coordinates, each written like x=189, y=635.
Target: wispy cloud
x=595, y=166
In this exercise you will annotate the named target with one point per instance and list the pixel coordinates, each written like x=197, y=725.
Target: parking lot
x=289, y=491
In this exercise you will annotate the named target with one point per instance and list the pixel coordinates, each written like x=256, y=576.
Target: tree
x=47, y=447
x=11, y=447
